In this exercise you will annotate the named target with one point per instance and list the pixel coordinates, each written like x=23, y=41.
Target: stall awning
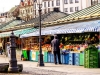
x=18, y=32
x=90, y=26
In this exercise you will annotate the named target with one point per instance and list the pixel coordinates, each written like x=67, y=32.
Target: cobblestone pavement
x=30, y=68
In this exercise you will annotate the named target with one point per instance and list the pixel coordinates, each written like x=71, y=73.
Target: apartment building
x=67, y=6
x=26, y=9
x=29, y=8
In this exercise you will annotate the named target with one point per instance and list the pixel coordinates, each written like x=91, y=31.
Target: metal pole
x=12, y=62
x=40, y=59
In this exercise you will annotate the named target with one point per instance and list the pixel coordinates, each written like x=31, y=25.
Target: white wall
x=82, y=5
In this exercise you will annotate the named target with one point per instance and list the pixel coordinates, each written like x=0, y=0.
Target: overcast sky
x=6, y=5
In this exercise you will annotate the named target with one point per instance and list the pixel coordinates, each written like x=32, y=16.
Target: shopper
x=1, y=50
x=55, y=49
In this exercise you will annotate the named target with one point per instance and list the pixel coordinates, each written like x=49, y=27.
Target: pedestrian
x=55, y=49
x=1, y=50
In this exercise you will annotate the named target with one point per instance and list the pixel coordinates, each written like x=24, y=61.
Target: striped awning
x=18, y=32
x=90, y=26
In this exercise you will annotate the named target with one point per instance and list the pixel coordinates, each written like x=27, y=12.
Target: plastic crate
x=71, y=59
x=45, y=56
x=24, y=53
x=49, y=57
x=62, y=58
x=33, y=55
x=66, y=58
x=52, y=58
x=30, y=56
x=81, y=63
x=37, y=53
x=91, y=58
x=76, y=58
x=99, y=59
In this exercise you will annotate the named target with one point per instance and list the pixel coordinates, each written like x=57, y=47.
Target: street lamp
x=40, y=56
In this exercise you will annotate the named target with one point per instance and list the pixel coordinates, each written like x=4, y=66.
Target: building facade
x=26, y=9
x=29, y=8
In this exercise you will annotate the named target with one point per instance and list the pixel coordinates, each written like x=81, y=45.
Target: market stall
x=74, y=39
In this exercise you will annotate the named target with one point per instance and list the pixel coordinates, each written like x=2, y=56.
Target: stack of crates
x=91, y=57
x=99, y=59
x=52, y=58
x=66, y=58
x=62, y=58
x=37, y=53
x=24, y=53
x=49, y=57
x=71, y=59
x=81, y=59
x=77, y=59
x=45, y=56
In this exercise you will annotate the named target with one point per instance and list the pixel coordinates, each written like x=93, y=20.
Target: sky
x=6, y=5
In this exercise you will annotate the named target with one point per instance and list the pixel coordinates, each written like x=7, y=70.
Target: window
x=58, y=2
x=48, y=4
x=52, y=3
x=93, y=2
x=48, y=9
x=71, y=1
x=76, y=1
x=31, y=9
x=44, y=4
x=34, y=6
x=65, y=1
x=66, y=9
x=71, y=9
x=76, y=8
x=45, y=11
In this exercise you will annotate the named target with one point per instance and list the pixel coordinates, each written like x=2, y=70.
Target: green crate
x=44, y=56
x=91, y=58
x=81, y=59
x=91, y=65
x=24, y=53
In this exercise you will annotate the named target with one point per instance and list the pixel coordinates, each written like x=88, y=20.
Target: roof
x=89, y=11
x=48, y=17
x=90, y=26
x=13, y=9
x=10, y=24
x=18, y=32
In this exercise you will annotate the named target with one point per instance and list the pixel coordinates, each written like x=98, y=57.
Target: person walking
x=55, y=49
x=1, y=50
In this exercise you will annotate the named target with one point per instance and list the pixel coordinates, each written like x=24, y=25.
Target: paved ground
x=30, y=68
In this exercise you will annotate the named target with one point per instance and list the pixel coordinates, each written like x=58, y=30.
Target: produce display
x=70, y=42
x=75, y=49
